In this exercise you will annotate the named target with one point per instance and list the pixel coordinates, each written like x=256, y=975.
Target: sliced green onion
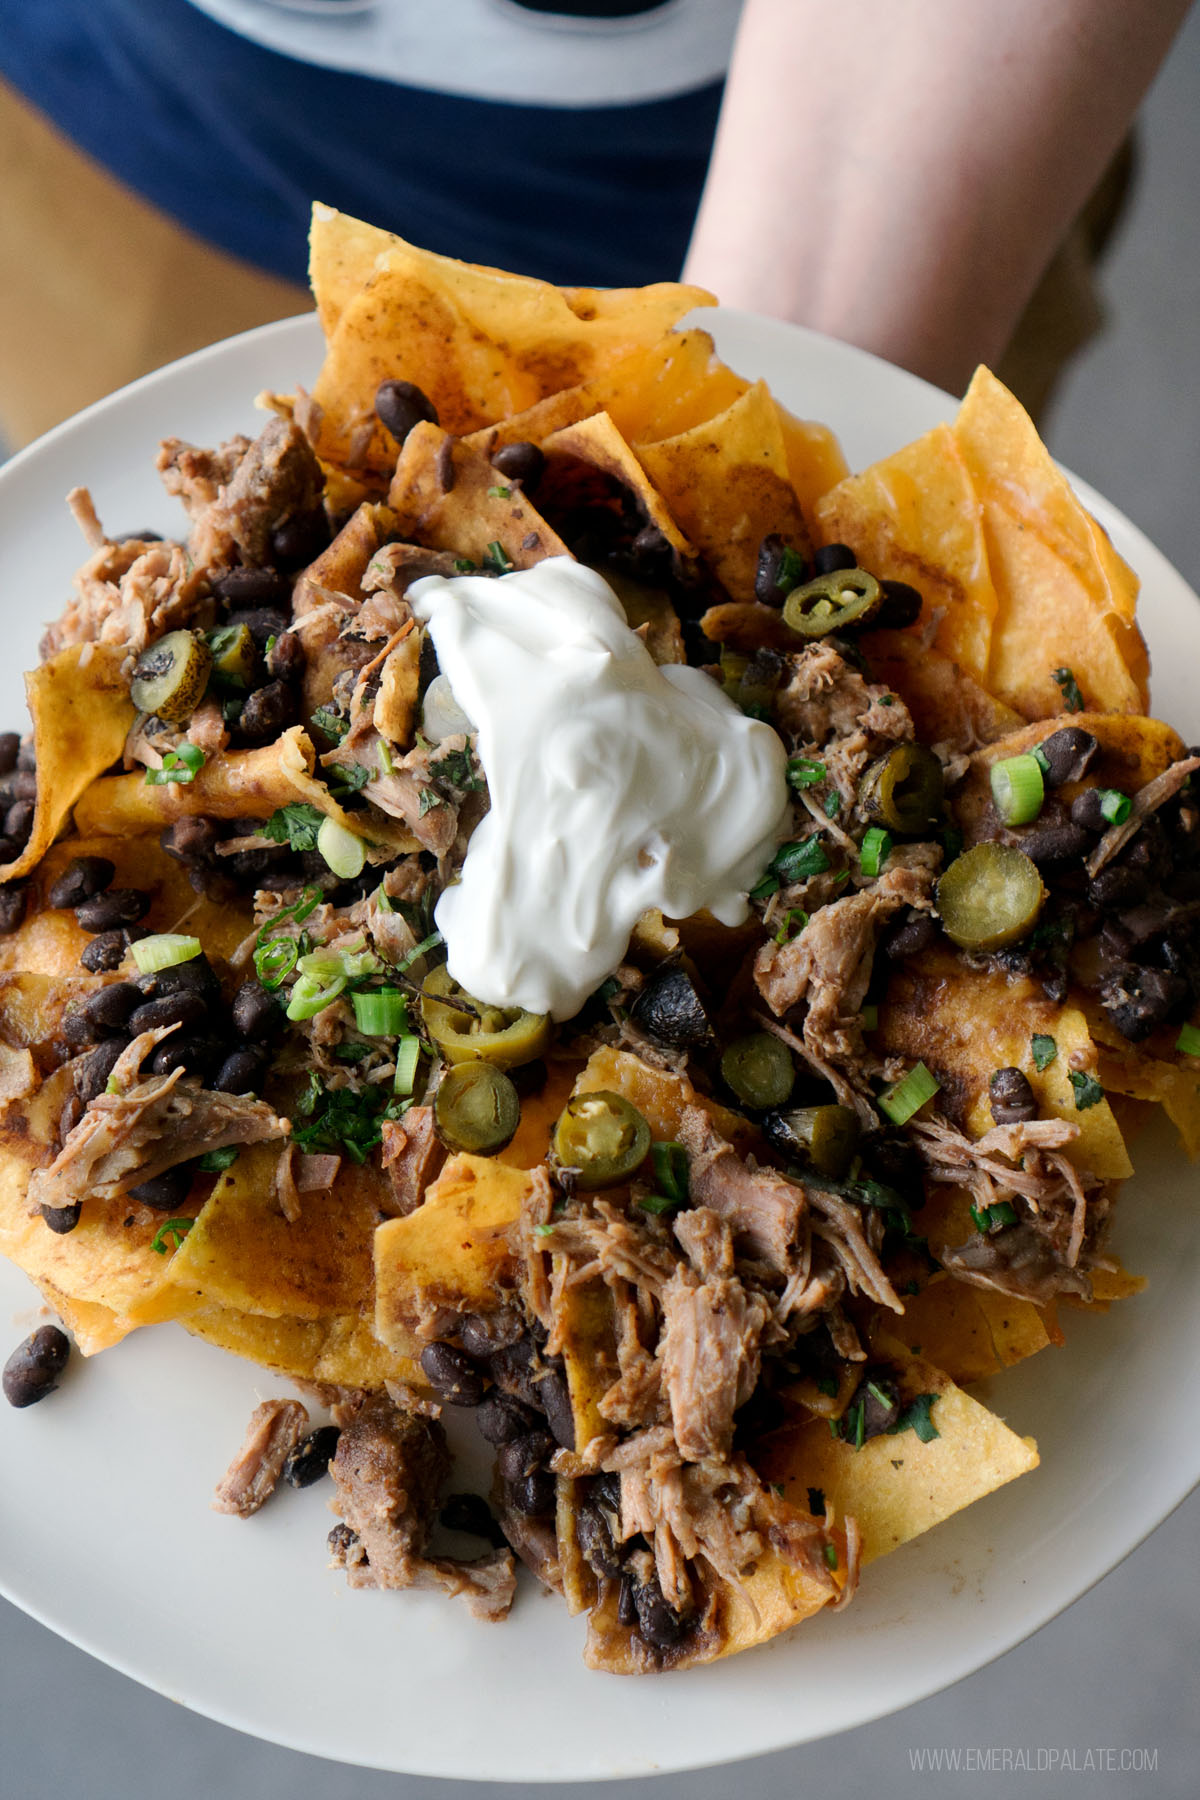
x=802, y=772
x=1041, y=759
x=422, y=949
x=833, y=803
x=831, y=1555
x=496, y=557
x=274, y=961
x=1115, y=805
x=904, y=1098
x=183, y=765
x=408, y=1055
x=795, y=918
x=1002, y=1213
x=1043, y=1049
x=658, y=1203
x=671, y=1169
x=1018, y=789
x=380, y=1012
x=1188, y=1040
x=1066, y=682
x=163, y=951
x=170, y=1228
x=875, y=850
x=311, y=995
x=343, y=851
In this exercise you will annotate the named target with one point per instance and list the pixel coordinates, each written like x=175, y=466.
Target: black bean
x=92, y=1073
x=626, y=1609
x=502, y=1420
x=301, y=538
x=607, y=1489
x=524, y=1457
x=166, y=1192
x=768, y=571
x=194, y=1054
x=899, y=607
x=190, y=840
x=82, y=879
x=651, y=551
x=1047, y=845
x=27, y=754
x=596, y=1541
x=399, y=405
x=1086, y=811
x=556, y=1400
x=308, y=1460
x=341, y=1540
x=1068, y=753
x=1118, y=886
x=107, y=951
x=9, y=851
x=254, y=1011
x=14, y=897
x=62, y=1219
x=195, y=976
x=10, y=744
x=268, y=712
x=18, y=821
x=472, y=1514
x=455, y=1376
x=521, y=462
x=252, y=587
x=915, y=934
x=241, y=1072
x=831, y=557
x=117, y=907
x=77, y=1029
x=512, y=1369
x=255, y=866
x=21, y=786
x=534, y=1495
x=1012, y=1097
x=286, y=658
x=32, y=1370
x=1137, y=1000
x=186, y=1009
x=880, y=1400
x=482, y=1334
x=1115, y=942
x=658, y=1623
x=1183, y=886
x=109, y=1008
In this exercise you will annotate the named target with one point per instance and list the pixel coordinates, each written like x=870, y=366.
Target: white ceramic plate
x=105, y=1529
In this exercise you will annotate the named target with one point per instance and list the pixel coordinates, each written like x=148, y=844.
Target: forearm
x=898, y=172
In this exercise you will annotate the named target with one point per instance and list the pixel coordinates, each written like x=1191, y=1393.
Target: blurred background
x=1116, y=1671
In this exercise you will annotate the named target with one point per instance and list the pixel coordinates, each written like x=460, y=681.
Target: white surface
x=105, y=1532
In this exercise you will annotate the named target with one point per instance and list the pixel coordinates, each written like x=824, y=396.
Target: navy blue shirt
x=234, y=138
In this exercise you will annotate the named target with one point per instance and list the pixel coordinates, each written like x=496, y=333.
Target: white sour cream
x=615, y=785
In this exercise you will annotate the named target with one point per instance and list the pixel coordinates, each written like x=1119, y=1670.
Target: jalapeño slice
x=467, y=1030
x=603, y=1137
x=476, y=1108
x=904, y=789
x=989, y=896
x=759, y=1069
x=832, y=602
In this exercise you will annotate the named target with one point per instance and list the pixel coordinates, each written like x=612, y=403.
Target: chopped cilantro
x=214, y=1161
x=295, y=825
x=170, y=1228
x=833, y=803
x=917, y=1416
x=457, y=770
x=792, y=862
x=671, y=1170
x=793, y=569
x=831, y=1555
x=339, y=1120
x=1043, y=1050
x=1002, y=1213
x=181, y=765
x=463, y=565
x=499, y=493
x=657, y=1203
x=342, y=780
x=429, y=799
x=1072, y=698
x=1088, y=1091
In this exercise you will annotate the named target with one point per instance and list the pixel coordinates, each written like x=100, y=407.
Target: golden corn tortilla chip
x=727, y=484
x=589, y=1351
x=947, y=705
x=341, y=1351
x=1155, y=1072
x=964, y=1023
x=660, y=1097
x=481, y=343
x=82, y=712
x=342, y=253
x=454, y=1251
x=469, y=511
x=539, y=1115
x=598, y=443
x=93, y=1327
x=244, y=1255
x=894, y=1485
x=1065, y=599
x=968, y=1332
x=916, y=517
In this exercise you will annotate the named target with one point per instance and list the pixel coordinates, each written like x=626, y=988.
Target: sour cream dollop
x=616, y=786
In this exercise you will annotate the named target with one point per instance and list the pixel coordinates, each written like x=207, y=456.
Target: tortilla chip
x=93, y=1327
x=964, y=1023
x=968, y=1332
x=660, y=1097
x=1065, y=599
x=947, y=705
x=815, y=459
x=342, y=253
x=481, y=343
x=727, y=484
x=477, y=510
x=539, y=1115
x=242, y=1254
x=82, y=713
x=916, y=517
x=342, y=1351
x=453, y=1251
x=597, y=442
x=895, y=1485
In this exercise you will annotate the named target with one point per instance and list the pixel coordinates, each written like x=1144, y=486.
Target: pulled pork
x=275, y=1429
